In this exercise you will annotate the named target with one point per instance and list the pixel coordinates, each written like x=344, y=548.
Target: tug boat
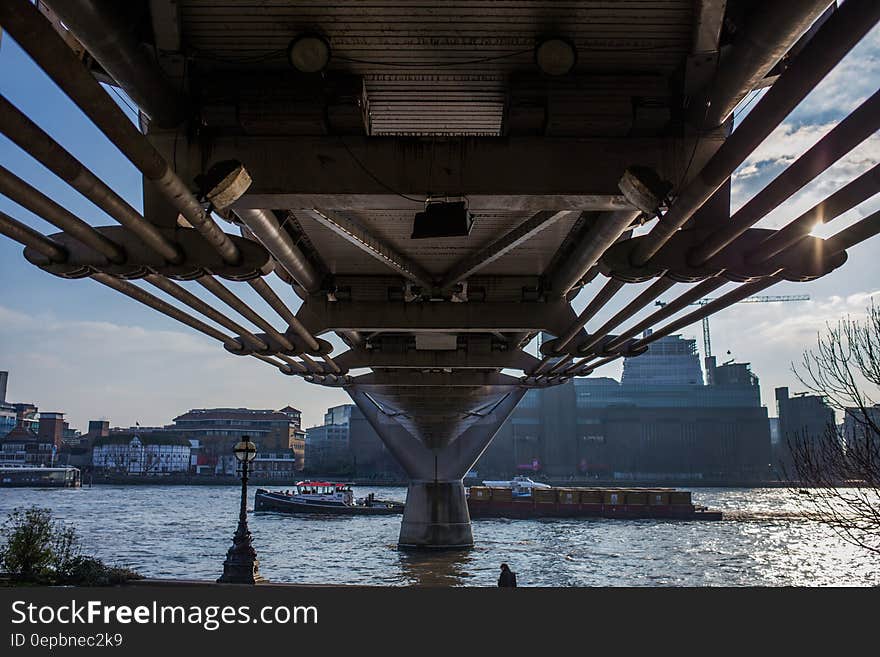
x=523, y=498
x=322, y=497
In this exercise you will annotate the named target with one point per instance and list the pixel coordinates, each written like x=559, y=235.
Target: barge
x=326, y=498
x=523, y=498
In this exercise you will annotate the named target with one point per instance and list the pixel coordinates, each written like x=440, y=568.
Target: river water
x=184, y=532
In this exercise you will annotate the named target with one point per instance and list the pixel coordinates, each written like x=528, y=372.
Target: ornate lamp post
x=241, y=565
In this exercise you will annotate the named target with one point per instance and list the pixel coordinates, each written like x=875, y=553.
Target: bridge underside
x=562, y=165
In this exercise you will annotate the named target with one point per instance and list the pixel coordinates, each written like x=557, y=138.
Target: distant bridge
x=318, y=130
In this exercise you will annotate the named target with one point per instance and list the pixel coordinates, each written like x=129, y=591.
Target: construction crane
x=707, y=340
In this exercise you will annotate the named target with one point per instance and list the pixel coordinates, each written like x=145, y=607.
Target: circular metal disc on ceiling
x=555, y=56
x=309, y=53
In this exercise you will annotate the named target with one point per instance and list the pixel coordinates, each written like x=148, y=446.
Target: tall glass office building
x=661, y=421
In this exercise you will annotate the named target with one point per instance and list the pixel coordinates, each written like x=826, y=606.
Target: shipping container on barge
x=524, y=498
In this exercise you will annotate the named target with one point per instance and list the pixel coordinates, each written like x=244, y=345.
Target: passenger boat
x=31, y=476
x=523, y=498
x=321, y=497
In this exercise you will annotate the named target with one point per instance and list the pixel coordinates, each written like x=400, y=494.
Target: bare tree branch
x=838, y=472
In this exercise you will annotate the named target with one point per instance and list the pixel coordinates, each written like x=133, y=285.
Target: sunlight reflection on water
x=178, y=531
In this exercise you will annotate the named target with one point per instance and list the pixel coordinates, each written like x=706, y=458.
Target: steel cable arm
x=611, y=287
x=847, y=197
x=722, y=302
x=845, y=136
x=855, y=234
x=27, y=236
x=840, y=241
x=39, y=145
x=40, y=204
x=142, y=296
x=39, y=39
x=220, y=291
x=657, y=288
x=273, y=362
x=264, y=290
x=846, y=26
x=183, y=295
x=698, y=291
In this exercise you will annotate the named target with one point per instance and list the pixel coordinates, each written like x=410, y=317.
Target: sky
x=85, y=350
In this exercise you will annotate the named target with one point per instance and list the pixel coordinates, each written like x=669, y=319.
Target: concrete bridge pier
x=436, y=514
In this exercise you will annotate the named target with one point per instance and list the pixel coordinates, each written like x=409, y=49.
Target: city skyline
x=76, y=347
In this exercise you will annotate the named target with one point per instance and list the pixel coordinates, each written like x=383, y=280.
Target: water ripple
x=766, y=539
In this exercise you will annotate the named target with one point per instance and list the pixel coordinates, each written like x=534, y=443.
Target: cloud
x=92, y=369
x=784, y=146
x=783, y=328
x=848, y=84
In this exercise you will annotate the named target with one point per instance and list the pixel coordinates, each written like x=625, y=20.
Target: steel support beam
x=519, y=235
x=413, y=359
x=515, y=174
x=606, y=230
x=356, y=234
x=400, y=317
x=770, y=31
x=436, y=514
x=267, y=230
x=110, y=37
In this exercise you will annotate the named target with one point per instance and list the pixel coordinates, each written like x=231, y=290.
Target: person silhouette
x=507, y=576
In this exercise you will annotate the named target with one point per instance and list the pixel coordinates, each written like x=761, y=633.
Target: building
x=50, y=427
x=27, y=436
x=861, y=432
x=347, y=444
x=7, y=410
x=278, y=466
x=328, y=447
x=670, y=360
x=218, y=429
x=23, y=446
x=660, y=422
x=801, y=417
x=144, y=453
x=14, y=414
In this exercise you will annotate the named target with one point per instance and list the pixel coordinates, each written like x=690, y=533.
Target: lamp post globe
x=245, y=451
x=241, y=565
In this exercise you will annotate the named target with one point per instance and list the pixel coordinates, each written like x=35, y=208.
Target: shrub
x=41, y=550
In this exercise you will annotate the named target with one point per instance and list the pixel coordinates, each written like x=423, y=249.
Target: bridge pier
x=436, y=514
